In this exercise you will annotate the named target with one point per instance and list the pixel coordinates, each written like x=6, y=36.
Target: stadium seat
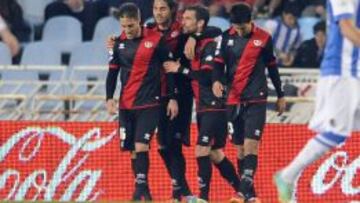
x=105, y=27
x=64, y=32
x=5, y=54
x=260, y=22
x=306, y=27
x=34, y=10
x=87, y=81
x=89, y=53
x=41, y=53
x=219, y=22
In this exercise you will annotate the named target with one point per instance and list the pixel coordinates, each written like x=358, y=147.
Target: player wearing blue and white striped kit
x=337, y=109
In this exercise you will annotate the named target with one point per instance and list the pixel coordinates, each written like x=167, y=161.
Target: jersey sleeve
x=114, y=68
x=342, y=9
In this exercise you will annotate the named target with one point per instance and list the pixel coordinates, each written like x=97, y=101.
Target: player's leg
x=181, y=136
x=126, y=133
x=202, y=153
x=254, y=116
x=146, y=122
x=163, y=137
x=127, y=140
x=221, y=162
x=333, y=119
x=236, y=131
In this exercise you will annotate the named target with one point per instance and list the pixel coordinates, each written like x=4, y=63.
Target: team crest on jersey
x=121, y=46
x=148, y=44
x=230, y=42
x=257, y=43
x=209, y=58
x=174, y=34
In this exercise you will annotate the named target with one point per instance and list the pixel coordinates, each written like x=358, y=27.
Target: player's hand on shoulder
x=189, y=49
x=172, y=66
x=218, y=89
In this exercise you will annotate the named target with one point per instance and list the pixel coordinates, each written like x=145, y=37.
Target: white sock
x=312, y=151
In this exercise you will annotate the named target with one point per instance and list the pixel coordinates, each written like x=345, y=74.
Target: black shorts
x=246, y=121
x=212, y=129
x=137, y=126
x=177, y=130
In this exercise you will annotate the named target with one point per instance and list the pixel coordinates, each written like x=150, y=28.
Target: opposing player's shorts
x=246, y=121
x=212, y=129
x=137, y=126
x=178, y=129
x=337, y=106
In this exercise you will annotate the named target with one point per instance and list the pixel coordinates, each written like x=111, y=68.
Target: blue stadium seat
x=105, y=27
x=34, y=10
x=306, y=26
x=41, y=53
x=260, y=22
x=5, y=54
x=64, y=32
x=89, y=53
x=219, y=22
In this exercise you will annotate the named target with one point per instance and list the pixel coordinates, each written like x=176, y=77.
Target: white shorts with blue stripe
x=337, y=106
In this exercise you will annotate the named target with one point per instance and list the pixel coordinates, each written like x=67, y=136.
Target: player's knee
x=331, y=139
x=141, y=147
x=251, y=146
x=217, y=155
x=202, y=151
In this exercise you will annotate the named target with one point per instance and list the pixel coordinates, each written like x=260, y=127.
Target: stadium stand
x=5, y=56
x=105, y=27
x=34, y=10
x=89, y=53
x=219, y=22
x=41, y=53
x=64, y=32
x=306, y=27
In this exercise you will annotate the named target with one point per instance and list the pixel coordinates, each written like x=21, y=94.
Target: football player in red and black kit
x=173, y=131
x=246, y=50
x=138, y=55
x=211, y=111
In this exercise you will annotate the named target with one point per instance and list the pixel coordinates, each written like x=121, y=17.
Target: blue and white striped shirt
x=341, y=56
x=285, y=38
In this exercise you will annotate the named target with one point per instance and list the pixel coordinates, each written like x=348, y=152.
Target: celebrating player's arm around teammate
x=211, y=111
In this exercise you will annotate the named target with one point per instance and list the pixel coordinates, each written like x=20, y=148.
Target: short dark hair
x=129, y=10
x=292, y=8
x=201, y=13
x=319, y=27
x=240, y=13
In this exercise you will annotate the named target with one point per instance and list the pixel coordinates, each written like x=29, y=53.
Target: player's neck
x=165, y=26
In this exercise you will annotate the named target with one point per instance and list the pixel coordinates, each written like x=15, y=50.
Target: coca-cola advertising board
x=70, y=161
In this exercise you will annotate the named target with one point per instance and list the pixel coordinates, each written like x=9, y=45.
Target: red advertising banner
x=65, y=161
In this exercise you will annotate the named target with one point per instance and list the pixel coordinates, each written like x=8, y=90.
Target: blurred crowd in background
x=22, y=22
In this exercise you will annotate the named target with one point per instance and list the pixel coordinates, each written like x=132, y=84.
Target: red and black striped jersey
x=201, y=72
x=175, y=40
x=245, y=59
x=139, y=62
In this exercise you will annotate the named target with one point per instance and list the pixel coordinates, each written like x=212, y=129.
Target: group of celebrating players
x=164, y=66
